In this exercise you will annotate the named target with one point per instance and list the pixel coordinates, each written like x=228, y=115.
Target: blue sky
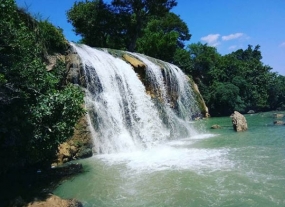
x=226, y=24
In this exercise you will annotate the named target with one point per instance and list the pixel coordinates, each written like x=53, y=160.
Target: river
x=212, y=168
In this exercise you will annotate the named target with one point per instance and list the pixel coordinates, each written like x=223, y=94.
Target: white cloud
x=232, y=47
x=211, y=39
x=232, y=36
x=282, y=44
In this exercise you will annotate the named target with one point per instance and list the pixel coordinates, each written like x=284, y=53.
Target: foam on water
x=173, y=155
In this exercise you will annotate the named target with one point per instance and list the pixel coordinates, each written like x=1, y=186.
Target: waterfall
x=171, y=85
x=123, y=116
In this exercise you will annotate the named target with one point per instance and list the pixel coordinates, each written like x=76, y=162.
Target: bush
x=37, y=112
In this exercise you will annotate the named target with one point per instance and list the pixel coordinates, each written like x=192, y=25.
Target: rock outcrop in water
x=53, y=200
x=239, y=122
x=216, y=126
x=278, y=116
x=278, y=122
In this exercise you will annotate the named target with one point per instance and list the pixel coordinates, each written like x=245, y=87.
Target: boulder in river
x=239, y=122
x=251, y=112
x=278, y=115
x=278, y=122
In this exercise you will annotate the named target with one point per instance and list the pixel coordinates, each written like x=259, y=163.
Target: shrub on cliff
x=37, y=112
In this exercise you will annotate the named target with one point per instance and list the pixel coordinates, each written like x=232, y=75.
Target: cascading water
x=123, y=116
x=172, y=87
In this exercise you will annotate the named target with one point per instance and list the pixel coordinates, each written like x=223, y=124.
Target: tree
x=122, y=23
x=225, y=99
x=97, y=23
x=138, y=12
x=276, y=92
x=162, y=37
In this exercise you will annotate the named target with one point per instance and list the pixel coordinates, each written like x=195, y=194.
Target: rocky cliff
x=80, y=145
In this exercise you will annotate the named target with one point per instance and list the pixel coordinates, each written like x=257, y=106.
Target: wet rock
x=202, y=105
x=84, y=153
x=75, y=70
x=54, y=201
x=78, y=146
x=278, y=122
x=139, y=66
x=251, y=112
x=278, y=115
x=52, y=60
x=216, y=126
x=239, y=122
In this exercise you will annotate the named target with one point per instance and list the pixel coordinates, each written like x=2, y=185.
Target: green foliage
x=158, y=45
x=225, y=98
x=182, y=59
x=136, y=15
x=276, y=92
x=162, y=37
x=97, y=23
x=51, y=37
x=237, y=81
x=52, y=119
x=204, y=61
x=131, y=25
x=36, y=111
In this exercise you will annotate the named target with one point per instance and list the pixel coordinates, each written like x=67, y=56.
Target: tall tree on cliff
x=138, y=13
x=97, y=23
x=118, y=25
x=163, y=36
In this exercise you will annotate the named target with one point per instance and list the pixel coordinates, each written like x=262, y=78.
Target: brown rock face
x=239, y=122
x=140, y=69
x=75, y=70
x=78, y=146
x=138, y=66
x=203, y=107
x=55, y=201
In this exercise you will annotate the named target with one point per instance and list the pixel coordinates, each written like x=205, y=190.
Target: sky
x=228, y=25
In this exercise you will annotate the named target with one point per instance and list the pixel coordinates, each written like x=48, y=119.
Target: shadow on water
x=20, y=187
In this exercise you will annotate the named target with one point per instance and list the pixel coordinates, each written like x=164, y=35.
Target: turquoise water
x=214, y=168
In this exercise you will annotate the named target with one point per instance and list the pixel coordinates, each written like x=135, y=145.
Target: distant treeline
x=237, y=81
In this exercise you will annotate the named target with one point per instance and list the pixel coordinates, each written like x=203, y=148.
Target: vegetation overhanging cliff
x=236, y=81
x=39, y=106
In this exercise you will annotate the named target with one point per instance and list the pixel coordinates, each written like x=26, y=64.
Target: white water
x=170, y=81
x=173, y=155
x=123, y=116
x=170, y=84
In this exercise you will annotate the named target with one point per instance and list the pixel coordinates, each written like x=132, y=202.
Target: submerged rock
x=216, y=126
x=278, y=122
x=239, y=122
x=251, y=112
